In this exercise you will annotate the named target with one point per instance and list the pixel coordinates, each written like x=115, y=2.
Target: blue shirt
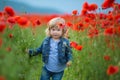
x=53, y=64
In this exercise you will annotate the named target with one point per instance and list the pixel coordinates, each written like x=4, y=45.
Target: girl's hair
x=54, y=23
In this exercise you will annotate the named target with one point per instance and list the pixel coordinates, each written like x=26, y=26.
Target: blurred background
x=94, y=38
x=48, y=6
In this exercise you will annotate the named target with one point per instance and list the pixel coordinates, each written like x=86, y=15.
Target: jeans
x=46, y=75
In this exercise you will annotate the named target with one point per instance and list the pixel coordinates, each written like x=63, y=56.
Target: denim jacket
x=64, y=50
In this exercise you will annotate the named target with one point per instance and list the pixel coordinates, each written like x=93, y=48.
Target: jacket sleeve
x=69, y=51
x=34, y=52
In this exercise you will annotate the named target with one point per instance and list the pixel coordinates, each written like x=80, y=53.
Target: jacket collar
x=48, y=39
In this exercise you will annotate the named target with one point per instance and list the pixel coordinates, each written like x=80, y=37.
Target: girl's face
x=56, y=33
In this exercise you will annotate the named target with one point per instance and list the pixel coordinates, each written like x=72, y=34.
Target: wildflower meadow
x=94, y=38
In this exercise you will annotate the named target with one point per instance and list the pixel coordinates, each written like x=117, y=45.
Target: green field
x=88, y=64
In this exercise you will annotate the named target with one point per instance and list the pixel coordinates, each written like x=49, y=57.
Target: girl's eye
x=58, y=30
x=53, y=29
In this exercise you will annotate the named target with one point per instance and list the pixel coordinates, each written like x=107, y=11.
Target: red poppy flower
x=61, y=25
x=16, y=17
x=11, y=20
x=23, y=22
x=73, y=44
x=74, y=12
x=109, y=31
x=10, y=35
x=105, y=24
x=91, y=16
x=107, y=57
x=1, y=14
x=69, y=24
x=79, y=47
x=87, y=19
x=112, y=70
x=36, y=22
x=84, y=12
x=9, y=11
x=92, y=7
x=119, y=6
x=102, y=16
x=2, y=26
x=107, y=4
x=110, y=17
x=85, y=6
x=78, y=26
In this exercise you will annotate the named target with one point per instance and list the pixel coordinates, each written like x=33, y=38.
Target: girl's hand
x=68, y=63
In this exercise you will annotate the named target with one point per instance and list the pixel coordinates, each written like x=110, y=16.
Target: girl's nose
x=55, y=31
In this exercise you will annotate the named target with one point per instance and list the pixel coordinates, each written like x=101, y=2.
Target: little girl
x=55, y=50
